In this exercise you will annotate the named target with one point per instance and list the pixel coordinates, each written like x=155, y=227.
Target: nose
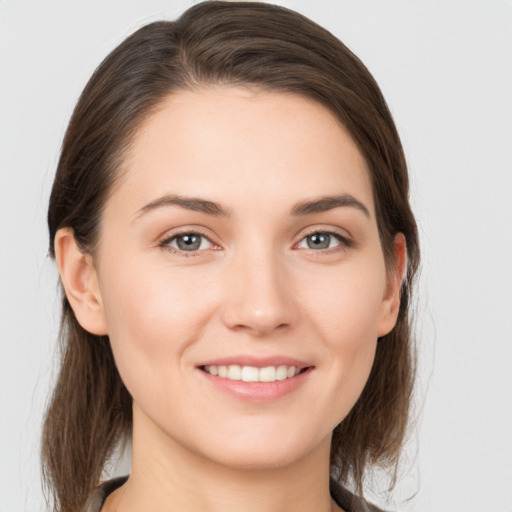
x=258, y=295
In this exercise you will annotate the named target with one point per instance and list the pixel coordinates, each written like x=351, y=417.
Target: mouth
x=266, y=374
x=256, y=379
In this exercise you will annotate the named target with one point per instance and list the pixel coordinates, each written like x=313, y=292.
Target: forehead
x=230, y=143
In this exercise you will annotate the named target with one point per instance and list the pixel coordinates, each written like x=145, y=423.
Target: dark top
x=344, y=498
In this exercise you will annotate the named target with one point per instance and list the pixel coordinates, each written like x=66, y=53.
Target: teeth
x=267, y=374
x=249, y=374
x=253, y=374
x=234, y=372
x=281, y=372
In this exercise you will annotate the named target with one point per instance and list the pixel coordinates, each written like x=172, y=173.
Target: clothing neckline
x=343, y=497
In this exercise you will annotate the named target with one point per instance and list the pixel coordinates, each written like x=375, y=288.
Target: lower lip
x=258, y=391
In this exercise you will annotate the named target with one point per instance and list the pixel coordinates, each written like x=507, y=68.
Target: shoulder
x=98, y=497
x=348, y=501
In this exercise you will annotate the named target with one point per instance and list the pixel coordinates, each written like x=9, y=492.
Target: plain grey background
x=445, y=68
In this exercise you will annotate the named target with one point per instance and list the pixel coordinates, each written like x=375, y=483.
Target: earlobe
x=80, y=282
x=391, y=301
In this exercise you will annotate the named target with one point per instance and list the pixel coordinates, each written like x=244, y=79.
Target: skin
x=254, y=287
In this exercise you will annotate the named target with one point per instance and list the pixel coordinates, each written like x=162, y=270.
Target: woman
x=231, y=224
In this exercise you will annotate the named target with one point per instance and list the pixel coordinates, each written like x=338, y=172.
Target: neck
x=167, y=477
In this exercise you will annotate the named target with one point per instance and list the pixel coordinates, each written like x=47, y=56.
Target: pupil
x=319, y=241
x=189, y=242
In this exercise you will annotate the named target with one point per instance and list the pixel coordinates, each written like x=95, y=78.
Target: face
x=241, y=275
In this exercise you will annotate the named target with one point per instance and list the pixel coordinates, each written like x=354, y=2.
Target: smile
x=252, y=373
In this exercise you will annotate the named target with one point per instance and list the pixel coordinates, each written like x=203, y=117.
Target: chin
x=260, y=453
x=247, y=460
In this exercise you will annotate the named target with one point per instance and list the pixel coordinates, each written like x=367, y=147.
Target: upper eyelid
x=167, y=237
x=328, y=230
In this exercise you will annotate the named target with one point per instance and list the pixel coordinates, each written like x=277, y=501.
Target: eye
x=321, y=240
x=188, y=242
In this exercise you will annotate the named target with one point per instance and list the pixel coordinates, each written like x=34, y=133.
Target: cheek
x=151, y=305
x=344, y=311
x=346, y=303
x=153, y=315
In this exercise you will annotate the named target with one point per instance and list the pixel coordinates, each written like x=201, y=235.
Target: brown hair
x=214, y=43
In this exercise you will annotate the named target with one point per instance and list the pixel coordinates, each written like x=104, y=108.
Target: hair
x=215, y=44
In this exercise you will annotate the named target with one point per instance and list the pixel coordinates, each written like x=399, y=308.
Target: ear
x=80, y=282
x=390, y=305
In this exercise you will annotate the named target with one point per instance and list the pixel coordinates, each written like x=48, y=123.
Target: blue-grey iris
x=188, y=242
x=319, y=241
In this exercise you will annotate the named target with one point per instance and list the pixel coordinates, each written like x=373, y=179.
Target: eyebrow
x=195, y=204
x=327, y=203
x=300, y=209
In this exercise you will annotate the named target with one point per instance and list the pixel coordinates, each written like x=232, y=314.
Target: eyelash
x=164, y=244
x=344, y=242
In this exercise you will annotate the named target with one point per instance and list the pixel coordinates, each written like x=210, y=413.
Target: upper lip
x=258, y=362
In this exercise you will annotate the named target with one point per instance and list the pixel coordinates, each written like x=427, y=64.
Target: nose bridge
x=257, y=291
